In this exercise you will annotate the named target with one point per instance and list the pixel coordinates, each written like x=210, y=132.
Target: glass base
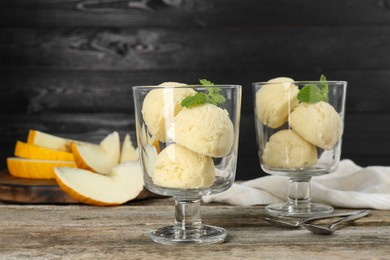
x=171, y=236
x=286, y=210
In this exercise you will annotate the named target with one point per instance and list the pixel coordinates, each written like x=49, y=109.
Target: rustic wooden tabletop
x=80, y=231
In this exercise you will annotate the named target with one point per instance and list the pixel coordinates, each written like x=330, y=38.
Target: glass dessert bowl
x=188, y=140
x=299, y=126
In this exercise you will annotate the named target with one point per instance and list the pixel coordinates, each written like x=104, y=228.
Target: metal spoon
x=282, y=223
x=332, y=227
x=286, y=223
x=297, y=224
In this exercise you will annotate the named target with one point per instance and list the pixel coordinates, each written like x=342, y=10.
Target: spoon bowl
x=332, y=227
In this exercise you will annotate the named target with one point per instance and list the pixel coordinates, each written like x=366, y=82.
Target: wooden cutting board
x=31, y=191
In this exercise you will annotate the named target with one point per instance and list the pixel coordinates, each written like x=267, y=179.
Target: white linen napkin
x=350, y=186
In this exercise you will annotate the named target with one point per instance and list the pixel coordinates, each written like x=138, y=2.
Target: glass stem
x=187, y=216
x=299, y=195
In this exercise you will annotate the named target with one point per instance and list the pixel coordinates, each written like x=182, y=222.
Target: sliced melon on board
x=98, y=158
x=124, y=183
x=31, y=151
x=35, y=169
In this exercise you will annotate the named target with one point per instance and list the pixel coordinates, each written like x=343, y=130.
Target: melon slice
x=124, y=183
x=49, y=141
x=31, y=151
x=98, y=158
x=128, y=153
x=34, y=169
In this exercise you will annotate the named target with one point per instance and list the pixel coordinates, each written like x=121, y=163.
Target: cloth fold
x=350, y=186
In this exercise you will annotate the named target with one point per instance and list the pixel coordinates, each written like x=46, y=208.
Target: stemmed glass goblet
x=299, y=126
x=188, y=141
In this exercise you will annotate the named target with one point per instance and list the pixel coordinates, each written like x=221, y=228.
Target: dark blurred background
x=67, y=67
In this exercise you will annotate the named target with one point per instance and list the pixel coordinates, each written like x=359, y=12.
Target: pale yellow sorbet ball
x=274, y=101
x=287, y=150
x=205, y=129
x=317, y=123
x=178, y=167
x=161, y=106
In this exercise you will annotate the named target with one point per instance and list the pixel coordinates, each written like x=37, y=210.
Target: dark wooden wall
x=67, y=67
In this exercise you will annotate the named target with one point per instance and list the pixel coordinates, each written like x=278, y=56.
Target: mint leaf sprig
x=311, y=93
x=212, y=96
x=206, y=82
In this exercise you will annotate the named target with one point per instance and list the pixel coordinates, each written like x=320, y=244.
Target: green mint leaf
x=212, y=97
x=213, y=91
x=219, y=99
x=323, y=78
x=311, y=93
x=324, y=87
x=206, y=82
x=195, y=100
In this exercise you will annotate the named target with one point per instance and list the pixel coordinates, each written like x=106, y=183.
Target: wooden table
x=80, y=231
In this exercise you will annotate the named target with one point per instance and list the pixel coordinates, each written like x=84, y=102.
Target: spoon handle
x=357, y=215
x=334, y=215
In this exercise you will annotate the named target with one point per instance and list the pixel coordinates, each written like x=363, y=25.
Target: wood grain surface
x=86, y=232
x=182, y=49
x=192, y=13
x=67, y=66
x=87, y=91
x=31, y=191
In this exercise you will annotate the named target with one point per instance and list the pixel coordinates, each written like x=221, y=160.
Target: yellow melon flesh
x=128, y=152
x=124, y=183
x=49, y=141
x=30, y=151
x=98, y=158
